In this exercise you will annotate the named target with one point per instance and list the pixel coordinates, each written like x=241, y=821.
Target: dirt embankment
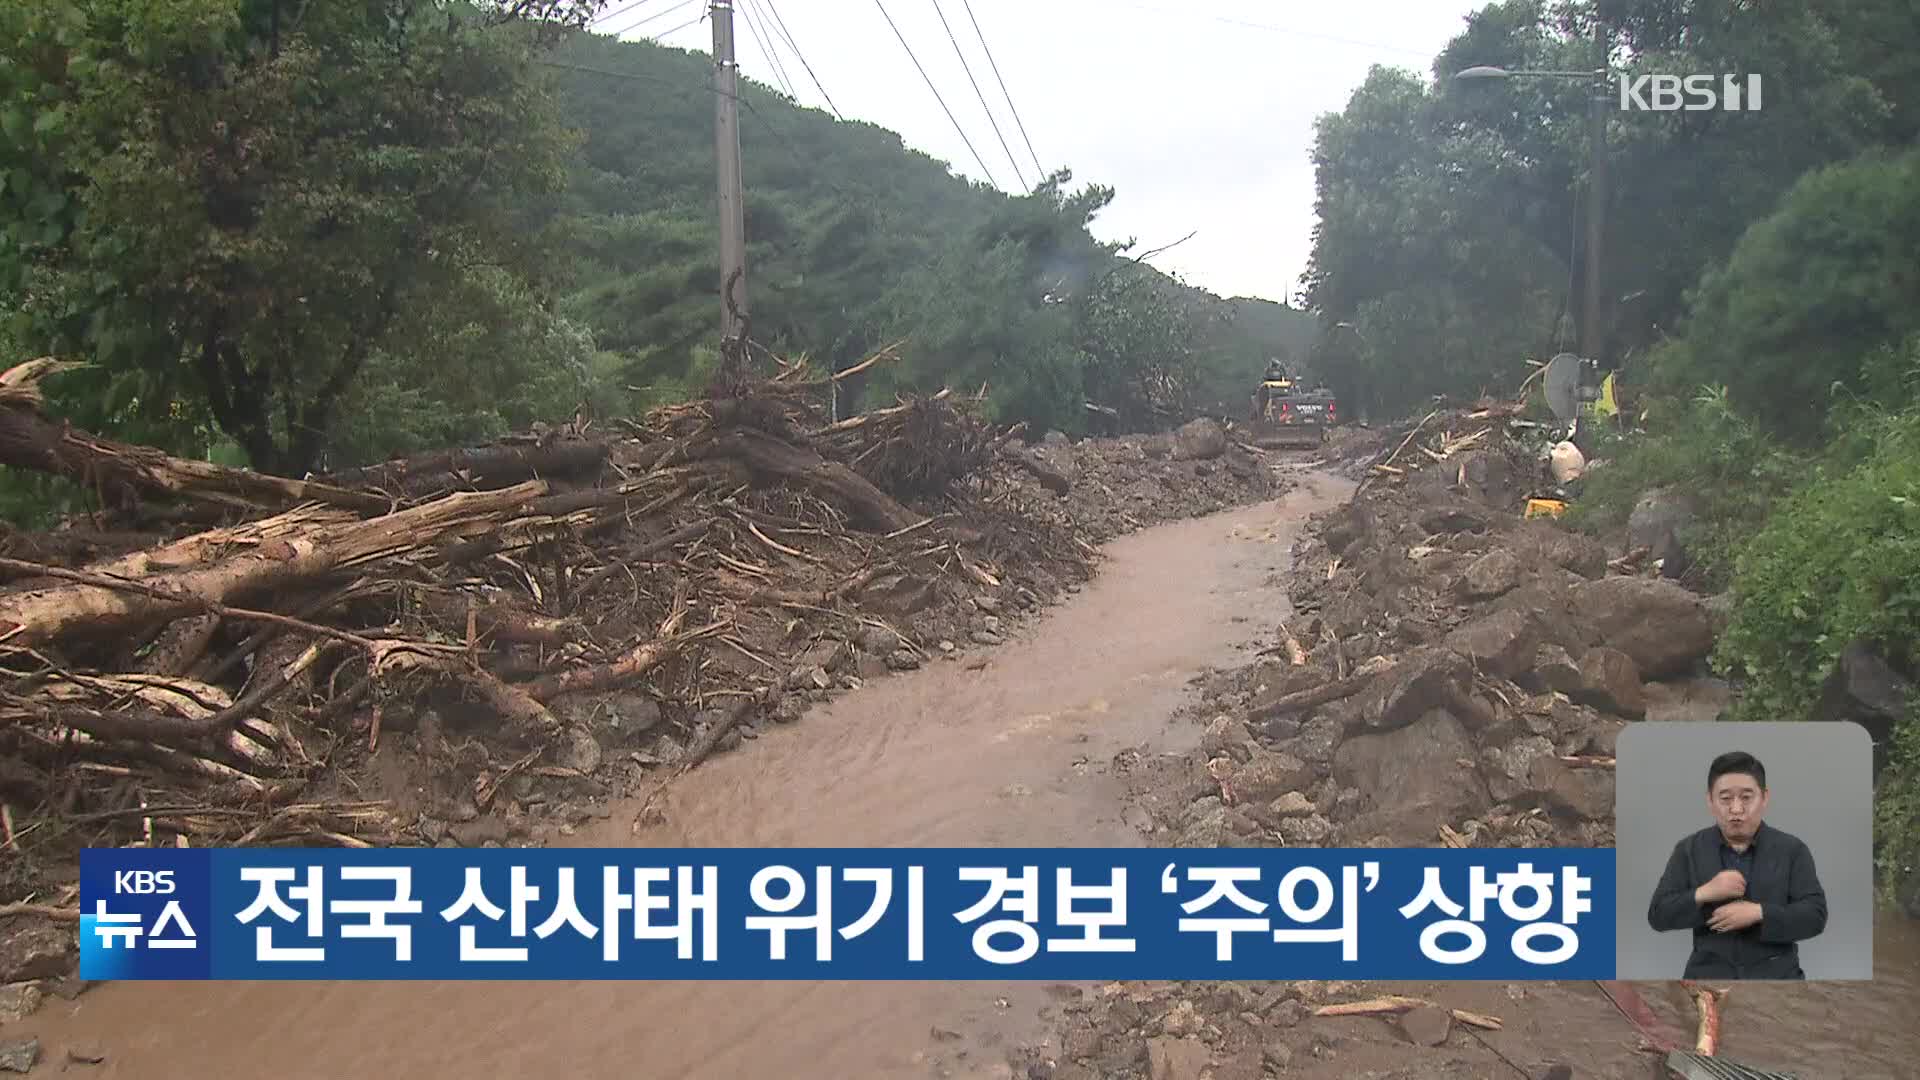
x=1452, y=675
x=489, y=647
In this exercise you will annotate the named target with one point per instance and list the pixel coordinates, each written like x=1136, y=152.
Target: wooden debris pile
x=159, y=685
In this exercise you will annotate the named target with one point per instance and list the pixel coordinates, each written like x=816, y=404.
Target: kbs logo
x=142, y=882
x=1693, y=93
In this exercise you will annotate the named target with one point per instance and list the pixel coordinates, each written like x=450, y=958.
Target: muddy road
x=1015, y=747
x=1018, y=752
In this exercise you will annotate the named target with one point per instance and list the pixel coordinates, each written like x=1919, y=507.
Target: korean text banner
x=847, y=913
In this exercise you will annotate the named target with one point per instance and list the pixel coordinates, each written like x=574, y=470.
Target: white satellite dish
x=1561, y=384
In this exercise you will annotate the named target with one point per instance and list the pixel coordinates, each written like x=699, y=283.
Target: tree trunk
x=125, y=473
x=769, y=458
x=285, y=550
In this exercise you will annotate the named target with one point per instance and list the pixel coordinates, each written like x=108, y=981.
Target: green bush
x=1702, y=447
x=1896, y=806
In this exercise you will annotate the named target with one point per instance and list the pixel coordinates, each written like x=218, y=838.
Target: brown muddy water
x=1013, y=754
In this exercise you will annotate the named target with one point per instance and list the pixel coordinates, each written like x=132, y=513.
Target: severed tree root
x=1384, y=1006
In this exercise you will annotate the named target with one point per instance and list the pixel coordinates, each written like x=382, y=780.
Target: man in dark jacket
x=1747, y=890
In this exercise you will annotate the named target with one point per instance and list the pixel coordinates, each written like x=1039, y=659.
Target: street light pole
x=1591, y=322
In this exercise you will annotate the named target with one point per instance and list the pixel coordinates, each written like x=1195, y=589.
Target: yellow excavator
x=1287, y=413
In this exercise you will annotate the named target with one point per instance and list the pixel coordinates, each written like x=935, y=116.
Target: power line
x=662, y=13
x=764, y=43
x=695, y=21
x=1038, y=170
x=988, y=109
x=780, y=25
x=608, y=16
x=936, y=94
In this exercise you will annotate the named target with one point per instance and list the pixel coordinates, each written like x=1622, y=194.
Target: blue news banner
x=1065, y=914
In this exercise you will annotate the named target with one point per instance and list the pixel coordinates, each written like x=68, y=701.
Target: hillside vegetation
x=314, y=235
x=1759, y=301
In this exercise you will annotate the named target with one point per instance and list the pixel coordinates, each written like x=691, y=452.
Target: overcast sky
x=1199, y=113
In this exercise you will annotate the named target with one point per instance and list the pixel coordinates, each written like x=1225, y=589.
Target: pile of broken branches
x=167, y=688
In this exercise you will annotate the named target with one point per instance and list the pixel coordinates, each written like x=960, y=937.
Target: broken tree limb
x=635, y=663
x=1050, y=478
x=1396, y=1004
x=769, y=459
x=98, y=606
x=1707, y=1038
x=481, y=467
x=125, y=473
x=1318, y=695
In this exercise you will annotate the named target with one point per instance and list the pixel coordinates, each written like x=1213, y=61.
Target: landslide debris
x=1452, y=675
x=486, y=646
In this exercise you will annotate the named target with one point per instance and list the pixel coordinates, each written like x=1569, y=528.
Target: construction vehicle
x=1287, y=413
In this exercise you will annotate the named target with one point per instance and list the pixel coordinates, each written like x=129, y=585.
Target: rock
x=479, y=832
x=902, y=660
x=1292, y=804
x=1426, y=1025
x=1554, y=669
x=1290, y=1012
x=1208, y=830
x=1137, y=817
x=1310, y=831
x=1411, y=780
x=1199, y=440
x=1317, y=741
x=576, y=749
x=1267, y=775
x=1490, y=575
x=1228, y=737
x=1424, y=679
x=1157, y=447
x=1610, y=680
x=898, y=594
x=945, y=646
x=86, y=1053
x=1863, y=688
x=1524, y=771
x=1658, y=522
x=985, y=637
x=1202, y=468
x=21, y=1055
x=34, y=949
x=1551, y=605
x=1459, y=518
x=1055, y=438
x=827, y=655
x=19, y=1001
x=989, y=605
x=1555, y=546
x=1276, y=1053
x=1080, y=1041
x=1244, y=1064
x=1502, y=644
x=1182, y=1019
x=1603, y=738
x=1662, y=626
x=1587, y=794
x=1169, y=1058
x=789, y=708
x=1239, y=464
x=879, y=640
x=991, y=623
x=1557, y=1071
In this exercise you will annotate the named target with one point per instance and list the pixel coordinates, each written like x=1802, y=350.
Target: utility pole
x=733, y=227
x=1590, y=343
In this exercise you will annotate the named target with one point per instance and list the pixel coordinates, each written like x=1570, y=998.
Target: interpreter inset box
x=1745, y=851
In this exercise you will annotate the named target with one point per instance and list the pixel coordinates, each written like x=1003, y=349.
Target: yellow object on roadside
x=1545, y=508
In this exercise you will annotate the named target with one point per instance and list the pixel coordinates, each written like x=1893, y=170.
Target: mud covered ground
x=1456, y=676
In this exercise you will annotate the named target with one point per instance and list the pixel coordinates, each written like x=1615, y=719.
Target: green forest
x=297, y=236
x=1760, y=299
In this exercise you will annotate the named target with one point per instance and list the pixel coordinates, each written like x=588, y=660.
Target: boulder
x=1553, y=670
x=1657, y=523
x=1199, y=440
x=1587, y=794
x=1228, y=737
x=33, y=949
x=1555, y=546
x=1524, y=771
x=1491, y=575
x=1502, y=644
x=1424, y=679
x=1426, y=1025
x=1867, y=690
x=1457, y=518
x=898, y=594
x=1551, y=605
x=878, y=640
x=1411, y=780
x=1267, y=775
x=1170, y=1058
x=827, y=654
x=1609, y=680
x=1662, y=626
